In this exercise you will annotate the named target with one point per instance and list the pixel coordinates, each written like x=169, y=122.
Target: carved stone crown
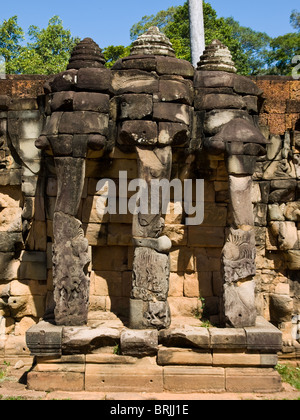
x=86, y=54
x=217, y=57
x=152, y=42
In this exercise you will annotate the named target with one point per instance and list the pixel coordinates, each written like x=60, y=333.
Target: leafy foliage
x=283, y=49
x=289, y=374
x=47, y=53
x=113, y=53
x=48, y=50
x=11, y=34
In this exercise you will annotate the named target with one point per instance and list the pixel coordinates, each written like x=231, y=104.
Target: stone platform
x=106, y=356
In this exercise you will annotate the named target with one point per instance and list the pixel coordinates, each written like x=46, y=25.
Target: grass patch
x=289, y=374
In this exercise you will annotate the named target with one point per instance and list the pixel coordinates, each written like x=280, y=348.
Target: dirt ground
x=13, y=387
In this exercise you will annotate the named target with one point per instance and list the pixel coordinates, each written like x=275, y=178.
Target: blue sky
x=108, y=21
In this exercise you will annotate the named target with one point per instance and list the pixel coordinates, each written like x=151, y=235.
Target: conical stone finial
x=152, y=42
x=86, y=54
x=217, y=57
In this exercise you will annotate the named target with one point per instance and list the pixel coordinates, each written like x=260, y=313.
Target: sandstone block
x=226, y=338
x=171, y=112
x=134, y=81
x=188, y=337
x=173, y=66
x=175, y=133
x=264, y=336
x=244, y=359
x=55, y=381
x=134, y=106
x=81, y=340
x=83, y=122
x=119, y=378
x=194, y=379
x=139, y=342
x=188, y=357
x=139, y=132
x=94, y=79
x=91, y=101
x=252, y=380
x=175, y=91
x=219, y=101
x=62, y=101
x=64, y=81
x=44, y=339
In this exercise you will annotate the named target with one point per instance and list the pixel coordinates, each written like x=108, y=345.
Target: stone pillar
x=78, y=108
x=152, y=108
x=228, y=103
x=196, y=29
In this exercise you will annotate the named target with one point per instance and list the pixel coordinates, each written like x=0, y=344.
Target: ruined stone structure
x=93, y=292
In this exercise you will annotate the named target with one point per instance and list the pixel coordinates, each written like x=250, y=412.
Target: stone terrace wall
x=27, y=198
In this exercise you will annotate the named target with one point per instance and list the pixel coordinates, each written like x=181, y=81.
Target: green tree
x=174, y=22
x=284, y=48
x=255, y=45
x=113, y=53
x=295, y=20
x=49, y=50
x=11, y=36
x=161, y=20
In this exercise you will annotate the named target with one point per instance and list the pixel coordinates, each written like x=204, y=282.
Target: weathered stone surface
x=83, y=340
x=133, y=106
x=139, y=132
x=94, y=80
x=119, y=378
x=83, y=122
x=281, y=307
x=62, y=101
x=134, y=81
x=152, y=42
x=60, y=381
x=293, y=260
x=173, y=133
x=174, y=66
x=239, y=129
x=44, y=339
x=214, y=120
x=240, y=309
x=86, y=54
x=64, y=81
x=189, y=337
x=70, y=279
x=219, y=101
x=149, y=266
x=244, y=359
x=240, y=193
x=252, y=380
x=189, y=357
x=239, y=255
x=196, y=379
x=216, y=57
x=263, y=336
x=227, y=338
x=286, y=234
x=162, y=244
x=139, y=343
x=91, y=101
x=171, y=112
x=175, y=91
x=70, y=179
x=216, y=79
